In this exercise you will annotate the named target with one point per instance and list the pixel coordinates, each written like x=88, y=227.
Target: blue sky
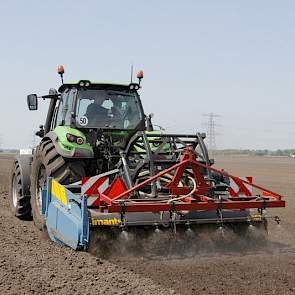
x=232, y=58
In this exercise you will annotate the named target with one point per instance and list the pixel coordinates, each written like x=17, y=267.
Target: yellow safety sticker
x=256, y=217
x=59, y=192
x=98, y=222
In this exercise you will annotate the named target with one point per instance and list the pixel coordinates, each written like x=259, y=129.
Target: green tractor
x=87, y=124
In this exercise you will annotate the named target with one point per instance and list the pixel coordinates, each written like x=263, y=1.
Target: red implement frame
x=198, y=200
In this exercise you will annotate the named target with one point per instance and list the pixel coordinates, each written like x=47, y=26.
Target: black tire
x=47, y=162
x=19, y=203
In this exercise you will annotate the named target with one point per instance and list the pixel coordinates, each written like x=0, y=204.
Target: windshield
x=108, y=109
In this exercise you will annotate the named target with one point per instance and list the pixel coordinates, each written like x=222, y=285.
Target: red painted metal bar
x=150, y=180
x=105, y=199
x=158, y=207
x=109, y=201
x=202, y=187
x=189, y=159
x=244, y=181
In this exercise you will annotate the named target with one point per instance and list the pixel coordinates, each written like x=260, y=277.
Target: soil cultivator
x=178, y=197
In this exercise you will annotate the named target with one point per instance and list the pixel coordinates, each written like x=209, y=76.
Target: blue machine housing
x=68, y=220
x=66, y=216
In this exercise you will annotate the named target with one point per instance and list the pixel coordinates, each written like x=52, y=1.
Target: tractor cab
x=92, y=107
x=85, y=105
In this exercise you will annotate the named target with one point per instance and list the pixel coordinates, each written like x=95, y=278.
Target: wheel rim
x=14, y=191
x=41, y=184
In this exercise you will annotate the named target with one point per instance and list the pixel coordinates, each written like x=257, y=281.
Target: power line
x=211, y=131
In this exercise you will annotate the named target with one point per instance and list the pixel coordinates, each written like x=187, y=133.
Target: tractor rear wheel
x=48, y=163
x=18, y=200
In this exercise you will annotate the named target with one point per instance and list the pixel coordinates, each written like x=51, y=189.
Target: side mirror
x=32, y=102
x=41, y=132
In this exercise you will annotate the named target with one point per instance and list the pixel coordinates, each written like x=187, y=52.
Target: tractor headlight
x=76, y=139
x=80, y=140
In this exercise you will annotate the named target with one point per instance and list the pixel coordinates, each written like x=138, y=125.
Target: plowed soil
x=31, y=264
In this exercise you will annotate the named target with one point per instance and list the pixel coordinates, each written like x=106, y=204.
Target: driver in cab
x=102, y=116
x=96, y=109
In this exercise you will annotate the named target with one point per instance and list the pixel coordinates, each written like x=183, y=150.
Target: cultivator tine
x=189, y=232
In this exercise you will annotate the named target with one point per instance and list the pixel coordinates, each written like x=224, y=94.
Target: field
x=30, y=264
